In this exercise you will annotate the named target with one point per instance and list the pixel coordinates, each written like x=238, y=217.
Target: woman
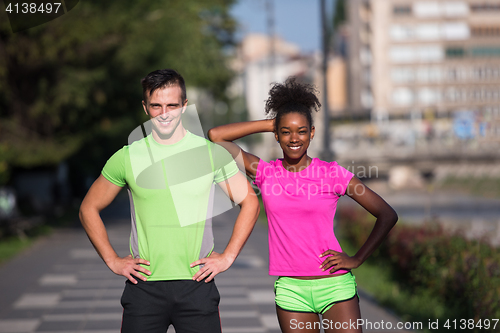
x=300, y=196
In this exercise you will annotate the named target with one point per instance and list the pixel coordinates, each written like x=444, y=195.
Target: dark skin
x=294, y=134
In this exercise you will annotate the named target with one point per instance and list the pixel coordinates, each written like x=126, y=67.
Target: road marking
x=89, y=304
x=243, y=281
x=244, y=329
x=18, y=325
x=89, y=331
x=234, y=301
x=54, y=280
x=231, y=291
x=46, y=300
x=238, y=314
x=83, y=316
x=84, y=254
x=261, y=296
x=270, y=321
x=91, y=293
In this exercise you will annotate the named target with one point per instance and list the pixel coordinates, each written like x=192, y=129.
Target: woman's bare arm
x=386, y=219
x=226, y=134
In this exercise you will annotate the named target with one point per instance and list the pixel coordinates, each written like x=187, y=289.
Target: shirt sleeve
x=224, y=165
x=340, y=177
x=114, y=170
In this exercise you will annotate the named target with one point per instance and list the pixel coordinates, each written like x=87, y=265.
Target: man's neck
x=177, y=136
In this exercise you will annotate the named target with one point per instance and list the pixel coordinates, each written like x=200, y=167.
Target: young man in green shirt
x=169, y=175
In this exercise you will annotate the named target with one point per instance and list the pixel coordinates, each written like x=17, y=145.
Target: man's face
x=165, y=107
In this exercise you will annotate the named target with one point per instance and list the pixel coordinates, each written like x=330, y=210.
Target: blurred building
x=426, y=76
x=263, y=60
x=427, y=60
x=360, y=94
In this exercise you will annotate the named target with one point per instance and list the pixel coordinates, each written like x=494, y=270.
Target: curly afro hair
x=291, y=96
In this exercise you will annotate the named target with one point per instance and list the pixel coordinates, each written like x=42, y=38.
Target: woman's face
x=294, y=134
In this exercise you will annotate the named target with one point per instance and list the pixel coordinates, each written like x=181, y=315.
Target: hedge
x=464, y=273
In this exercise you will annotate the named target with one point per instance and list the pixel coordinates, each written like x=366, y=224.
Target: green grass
x=11, y=246
x=484, y=187
x=262, y=214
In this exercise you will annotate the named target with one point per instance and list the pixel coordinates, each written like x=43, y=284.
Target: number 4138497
x=470, y=324
x=33, y=8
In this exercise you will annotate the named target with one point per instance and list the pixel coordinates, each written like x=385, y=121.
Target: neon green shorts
x=317, y=295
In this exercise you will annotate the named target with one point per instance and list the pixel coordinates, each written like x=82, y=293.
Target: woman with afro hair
x=300, y=196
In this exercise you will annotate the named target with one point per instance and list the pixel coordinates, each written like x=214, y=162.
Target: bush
x=464, y=273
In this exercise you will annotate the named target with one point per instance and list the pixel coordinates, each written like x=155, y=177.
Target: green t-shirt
x=171, y=190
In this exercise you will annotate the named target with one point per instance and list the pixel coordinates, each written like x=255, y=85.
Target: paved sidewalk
x=60, y=285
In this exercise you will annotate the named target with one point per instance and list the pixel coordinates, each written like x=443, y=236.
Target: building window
x=402, y=97
x=455, y=52
x=402, y=75
x=401, y=32
x=428, y=96
x=485, y=7
x=430, y=53
x=429, y=74
x=402, y=54
x=455, y=9
x=440, y=9
x=452, y=95
x=401, y=10
x=367, y=75
x=365, y=56
x=485, y=51
x=455, y=31
x=428, y=32
x=366, y=99
x=452, y=74
x=485, y=31
x=427, y=9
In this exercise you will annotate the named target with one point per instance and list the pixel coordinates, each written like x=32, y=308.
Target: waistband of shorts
x=317, y=282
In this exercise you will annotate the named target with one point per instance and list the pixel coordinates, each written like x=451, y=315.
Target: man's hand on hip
x=214, y=264
x=129, y=267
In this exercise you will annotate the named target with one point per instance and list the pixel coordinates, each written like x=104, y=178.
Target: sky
x=296, y=21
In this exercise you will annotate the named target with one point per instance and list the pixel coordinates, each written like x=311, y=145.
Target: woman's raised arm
x=225, y=135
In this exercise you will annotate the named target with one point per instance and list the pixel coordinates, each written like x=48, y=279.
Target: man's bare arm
x=239, y=191
x=99, y=196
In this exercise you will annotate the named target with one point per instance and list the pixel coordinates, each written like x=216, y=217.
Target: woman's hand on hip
x=338, y=260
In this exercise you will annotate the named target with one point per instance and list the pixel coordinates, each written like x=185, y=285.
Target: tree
x=71, y=87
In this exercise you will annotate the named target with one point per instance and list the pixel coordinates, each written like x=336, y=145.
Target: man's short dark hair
x=160, y=79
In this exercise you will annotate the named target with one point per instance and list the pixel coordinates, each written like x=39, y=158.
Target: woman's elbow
x=212, y=135
x=393, y=216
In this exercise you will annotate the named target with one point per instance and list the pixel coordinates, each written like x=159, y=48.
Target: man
x=169, y=175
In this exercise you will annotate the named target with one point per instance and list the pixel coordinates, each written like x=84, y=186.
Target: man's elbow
x=256, y=205
x=82, y=212
x=251, y=203
x=86, y=211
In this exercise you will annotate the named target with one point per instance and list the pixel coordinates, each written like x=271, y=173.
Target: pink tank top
x=300, y=207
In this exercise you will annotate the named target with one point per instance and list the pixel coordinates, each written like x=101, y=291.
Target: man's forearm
x=94, y=227
x=243, y=226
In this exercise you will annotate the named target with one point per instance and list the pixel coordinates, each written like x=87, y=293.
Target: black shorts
x=190, y=306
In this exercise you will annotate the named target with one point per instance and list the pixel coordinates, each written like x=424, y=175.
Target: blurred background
x=411, y=104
